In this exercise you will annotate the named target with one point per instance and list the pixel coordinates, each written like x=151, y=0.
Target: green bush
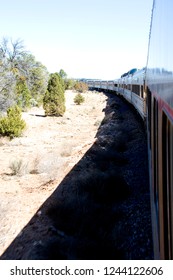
x=69, y=83
x=54, y=98
x=12, y=125
x=79, y=99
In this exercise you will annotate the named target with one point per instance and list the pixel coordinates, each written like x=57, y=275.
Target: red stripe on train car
x=164, y=106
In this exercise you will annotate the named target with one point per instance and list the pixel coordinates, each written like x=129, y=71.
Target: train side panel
x=160, y=126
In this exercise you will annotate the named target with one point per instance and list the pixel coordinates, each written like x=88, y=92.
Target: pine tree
x=54, y=99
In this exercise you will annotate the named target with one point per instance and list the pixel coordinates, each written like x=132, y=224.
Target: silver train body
x=131, y=87
x=150, y=90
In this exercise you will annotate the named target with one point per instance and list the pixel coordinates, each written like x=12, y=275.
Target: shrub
x=81, y=87
x=12, y=125
x=18, y=167
x=69, y=83
x=79, y=99
x=54, y=99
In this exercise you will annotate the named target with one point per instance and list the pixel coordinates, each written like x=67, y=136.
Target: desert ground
x=33, y=165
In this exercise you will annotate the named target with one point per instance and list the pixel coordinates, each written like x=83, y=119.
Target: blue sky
x=87, y=38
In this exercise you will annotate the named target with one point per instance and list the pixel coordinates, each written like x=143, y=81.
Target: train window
x=167, y=185
x=155, y=167
x=136, y=89
x=128, y=87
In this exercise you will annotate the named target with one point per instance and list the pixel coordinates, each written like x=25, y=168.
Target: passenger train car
x=150, y=90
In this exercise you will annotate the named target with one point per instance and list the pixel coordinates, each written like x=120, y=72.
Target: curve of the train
x=131, y=86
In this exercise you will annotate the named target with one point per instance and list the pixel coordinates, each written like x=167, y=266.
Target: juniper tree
x=12, y=125
x=54, y=99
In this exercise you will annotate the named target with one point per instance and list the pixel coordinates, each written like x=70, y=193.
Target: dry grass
x=18, y=167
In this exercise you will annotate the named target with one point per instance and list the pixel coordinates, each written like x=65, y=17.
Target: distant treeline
x=26, y=82
x=23, y=80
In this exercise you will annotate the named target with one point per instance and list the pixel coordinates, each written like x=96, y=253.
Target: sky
x=93, y=39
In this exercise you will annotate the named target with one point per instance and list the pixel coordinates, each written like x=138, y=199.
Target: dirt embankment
x=46, y=152
x=101, y=208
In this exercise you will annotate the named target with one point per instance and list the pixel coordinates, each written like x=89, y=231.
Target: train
x=150, y=91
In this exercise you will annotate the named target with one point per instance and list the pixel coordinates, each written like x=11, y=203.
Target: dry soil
x=32, y=166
